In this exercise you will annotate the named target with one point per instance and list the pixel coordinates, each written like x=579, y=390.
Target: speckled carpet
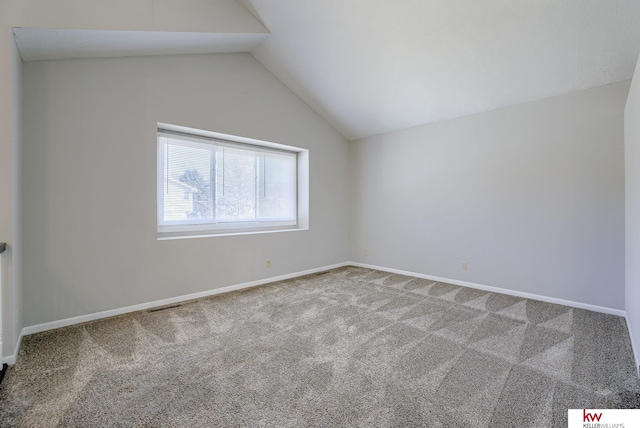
x=351, y=347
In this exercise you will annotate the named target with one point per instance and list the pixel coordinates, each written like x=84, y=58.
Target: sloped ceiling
x=39, y=44
x=372, y=67
x=95, y=29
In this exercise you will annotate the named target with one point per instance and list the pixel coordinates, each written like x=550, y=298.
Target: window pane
x=187, y=178
x=277, y=197
x=235, y=185
x=208, y=184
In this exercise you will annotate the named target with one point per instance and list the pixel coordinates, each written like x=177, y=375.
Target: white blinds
x=211, y=182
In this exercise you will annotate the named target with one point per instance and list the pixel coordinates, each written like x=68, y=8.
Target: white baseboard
x=571, y=303
x=532, y=296
x=105, y=314
x=635, y=350
x=11, y=359
x=113, y=312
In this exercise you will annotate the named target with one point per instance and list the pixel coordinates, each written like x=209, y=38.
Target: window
x=210, y=185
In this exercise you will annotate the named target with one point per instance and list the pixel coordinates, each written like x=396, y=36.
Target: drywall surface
x=632, y=211
x=224, y=16
x=7, y=106
x=16, y=182
x=89, y=180
x=373, y=67
x=531, y=197
x=10, y=278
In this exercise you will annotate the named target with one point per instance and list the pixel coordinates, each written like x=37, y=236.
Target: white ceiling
x=35, y=44
x=371, y=67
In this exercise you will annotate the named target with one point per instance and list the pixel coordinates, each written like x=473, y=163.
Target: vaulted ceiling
x=371, y=67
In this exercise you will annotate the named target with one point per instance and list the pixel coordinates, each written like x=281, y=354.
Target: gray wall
x=89, y=180
x=530, y=196
x=16, y=182
x=224, y=16
x=632, y=210
x=11, y=259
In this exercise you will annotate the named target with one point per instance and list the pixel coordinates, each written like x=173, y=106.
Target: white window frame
x=207, y=227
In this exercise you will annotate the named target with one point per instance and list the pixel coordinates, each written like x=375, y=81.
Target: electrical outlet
x=268, y=263
x=463, y=265
x=366, y=253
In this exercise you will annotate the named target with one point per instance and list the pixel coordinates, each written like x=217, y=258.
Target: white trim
x=224, y=229
x=165, y=236
x=175, y=135
x=11, y=359
x=603, y=309
x=182, y=130
x=113, y=312
x=634, y=349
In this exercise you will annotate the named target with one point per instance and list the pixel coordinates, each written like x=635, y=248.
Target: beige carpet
x=351, y=347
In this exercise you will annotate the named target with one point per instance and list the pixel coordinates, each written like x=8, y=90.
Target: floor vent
x=164, y=308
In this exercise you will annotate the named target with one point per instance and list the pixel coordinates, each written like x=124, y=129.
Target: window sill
x=166, y=236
